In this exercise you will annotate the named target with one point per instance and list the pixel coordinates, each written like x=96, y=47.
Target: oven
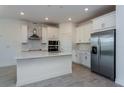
x=53, y=46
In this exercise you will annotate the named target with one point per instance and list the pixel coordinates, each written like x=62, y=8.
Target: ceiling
x=55, y=13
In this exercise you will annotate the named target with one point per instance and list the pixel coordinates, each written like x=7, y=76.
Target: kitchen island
x=37, y=65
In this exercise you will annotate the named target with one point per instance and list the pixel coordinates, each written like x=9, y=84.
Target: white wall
x=10, y=41
x=65, y=36
x=120, y=45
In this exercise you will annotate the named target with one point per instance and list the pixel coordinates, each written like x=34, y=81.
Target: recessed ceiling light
x=22, y=13
x=46, y=18
x=86, y=9
x=69, y=19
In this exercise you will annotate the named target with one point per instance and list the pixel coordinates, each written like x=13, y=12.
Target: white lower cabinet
x=84, y=58
x=75, y=56
x=81, y=57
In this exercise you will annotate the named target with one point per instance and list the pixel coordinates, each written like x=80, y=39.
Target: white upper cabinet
x=83, y=33
x=44, y=35
x=78, y=36
x=24, y=32
x=53, y=33
x=104, y=22
x=86, y=36
x=49, y=33
x=65, y=36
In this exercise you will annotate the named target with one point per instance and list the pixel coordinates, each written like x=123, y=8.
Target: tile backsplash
x=82, y=47
x=34, y=45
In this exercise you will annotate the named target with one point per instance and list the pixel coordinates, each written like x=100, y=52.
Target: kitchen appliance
x=34, y=36
x=53, y=46
x=103, y=54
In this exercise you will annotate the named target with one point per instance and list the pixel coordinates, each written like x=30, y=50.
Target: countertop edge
x=43, y=56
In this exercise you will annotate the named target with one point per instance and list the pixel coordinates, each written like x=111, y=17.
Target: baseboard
x=7, y=65
x=81, y=65
x=121, y=83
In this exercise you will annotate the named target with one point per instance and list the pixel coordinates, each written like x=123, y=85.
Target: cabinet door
x=65, y=43
x=52, y=33
x=97, y=23
x=104, y=22
x=74, y=55
x=24, y=33
x=86, y=33
x=109, y=21
x=85, y=58
x=81, y=58
x=56, y=33
x=78, y=58
x=83, y=33
x=87, y=61
x=78, y=36
x=44, y=35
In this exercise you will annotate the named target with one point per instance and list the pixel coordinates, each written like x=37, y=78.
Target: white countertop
x=39, y=54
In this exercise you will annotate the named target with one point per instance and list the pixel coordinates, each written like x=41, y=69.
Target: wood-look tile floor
x=81, y=77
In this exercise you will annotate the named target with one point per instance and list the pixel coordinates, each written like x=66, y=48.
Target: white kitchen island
x=36, y=66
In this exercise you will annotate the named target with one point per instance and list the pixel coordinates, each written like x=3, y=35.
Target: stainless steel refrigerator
x=103, y=54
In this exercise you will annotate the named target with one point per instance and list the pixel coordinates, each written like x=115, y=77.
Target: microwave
x=53, y=42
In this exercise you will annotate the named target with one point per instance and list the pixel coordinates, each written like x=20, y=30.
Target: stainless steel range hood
x=34, y=36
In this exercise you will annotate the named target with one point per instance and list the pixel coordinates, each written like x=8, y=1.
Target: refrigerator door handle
x=99, y=47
